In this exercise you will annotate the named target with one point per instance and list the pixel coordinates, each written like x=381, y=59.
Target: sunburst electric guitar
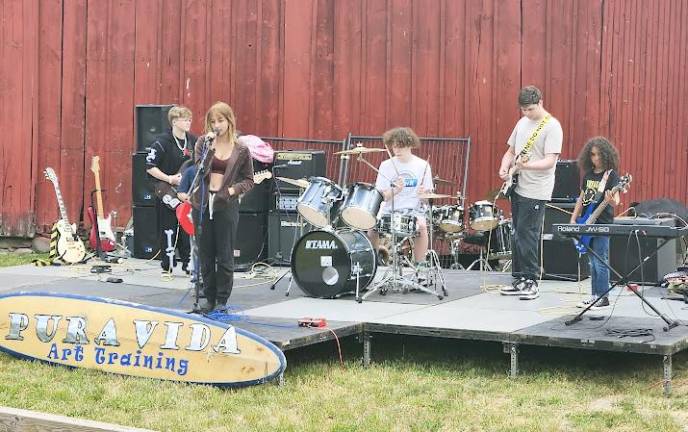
x=70, y=248
x=104, y=233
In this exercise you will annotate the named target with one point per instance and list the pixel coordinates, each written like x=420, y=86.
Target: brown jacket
x=239, y=175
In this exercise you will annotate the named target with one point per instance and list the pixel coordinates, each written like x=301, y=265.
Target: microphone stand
x=195, y=183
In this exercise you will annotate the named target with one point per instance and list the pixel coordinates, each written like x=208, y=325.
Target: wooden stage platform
x=473, y=310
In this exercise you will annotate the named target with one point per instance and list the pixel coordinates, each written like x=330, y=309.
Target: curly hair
x=608, y=154
x=401, y=137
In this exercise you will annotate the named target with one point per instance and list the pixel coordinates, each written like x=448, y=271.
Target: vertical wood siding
x=74, y=70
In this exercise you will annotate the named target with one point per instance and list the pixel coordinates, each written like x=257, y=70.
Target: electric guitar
x=104, y=234
x=183, y=211
x=70, y=248
x=512, y=177
x=594, y=211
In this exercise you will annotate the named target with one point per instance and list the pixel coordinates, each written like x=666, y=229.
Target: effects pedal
x=312, y=322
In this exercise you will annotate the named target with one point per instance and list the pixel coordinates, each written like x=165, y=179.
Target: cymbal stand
x=434, y=271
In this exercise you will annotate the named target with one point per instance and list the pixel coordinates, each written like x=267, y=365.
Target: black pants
x=216, y=249
x=528, y=216
x=167, y=220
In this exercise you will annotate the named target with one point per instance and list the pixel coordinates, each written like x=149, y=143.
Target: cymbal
x=359, y=150
x=302, y=183
x=432, y=195
x=439, y=180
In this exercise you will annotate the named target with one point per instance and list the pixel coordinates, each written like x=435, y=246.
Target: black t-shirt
x=591, y=181
x=168, y=153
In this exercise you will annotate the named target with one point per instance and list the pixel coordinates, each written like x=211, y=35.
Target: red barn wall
x=74, y=70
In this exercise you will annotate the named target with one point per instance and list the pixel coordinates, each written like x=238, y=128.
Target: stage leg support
x=512, y=350
x=666, y=384
x=367, y=348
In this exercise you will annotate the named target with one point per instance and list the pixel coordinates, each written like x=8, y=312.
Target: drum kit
x=339, y=258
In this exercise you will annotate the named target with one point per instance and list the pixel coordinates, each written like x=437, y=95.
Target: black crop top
x=218, y=166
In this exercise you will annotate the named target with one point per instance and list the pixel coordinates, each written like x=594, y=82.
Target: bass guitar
x=183, y=211
x=593, y=212
x=70, y=248
x=104, y=233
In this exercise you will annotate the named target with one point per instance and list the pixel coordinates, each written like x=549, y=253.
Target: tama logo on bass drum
x=321, y=244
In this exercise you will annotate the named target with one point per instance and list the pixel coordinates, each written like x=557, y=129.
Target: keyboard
x=655, y=231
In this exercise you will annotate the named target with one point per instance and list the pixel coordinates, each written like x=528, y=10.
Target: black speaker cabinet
x=299, y=164
x=257, y=200
x=566, y=181
x=624, y=254
x=145, y=232
x=151, y=120
x=284, y=229
x=560, y=261
x=560, y=258
x=251, y=242
x=141, y=182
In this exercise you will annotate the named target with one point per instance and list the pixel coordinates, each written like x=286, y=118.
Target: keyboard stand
x=623, y=280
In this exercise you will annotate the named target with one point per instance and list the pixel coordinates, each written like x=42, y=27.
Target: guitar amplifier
x=284, y=229
x=566, y=182
x=297, y=165
x=257, y=200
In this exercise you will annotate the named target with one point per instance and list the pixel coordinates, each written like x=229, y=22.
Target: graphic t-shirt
x=591, y=196
x=416, y=173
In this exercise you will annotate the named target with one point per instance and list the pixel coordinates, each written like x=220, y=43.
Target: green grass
x=414, y=384
x=13, y=258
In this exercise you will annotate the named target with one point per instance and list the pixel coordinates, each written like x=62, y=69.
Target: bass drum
x=325, y=264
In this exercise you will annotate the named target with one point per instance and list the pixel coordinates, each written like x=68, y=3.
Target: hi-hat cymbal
x=439, y=180
x=359, y=150
x=302, y=183
x=432, y=195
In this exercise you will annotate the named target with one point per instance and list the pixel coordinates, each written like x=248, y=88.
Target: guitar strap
x=602, y=185
x=531, y=141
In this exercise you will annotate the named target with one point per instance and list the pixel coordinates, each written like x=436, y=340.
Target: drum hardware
x=434, y=272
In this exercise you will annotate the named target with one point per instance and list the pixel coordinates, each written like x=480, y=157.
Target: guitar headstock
x=50, y=175
x=95, y=164
x=261, y=175
x=624, y=183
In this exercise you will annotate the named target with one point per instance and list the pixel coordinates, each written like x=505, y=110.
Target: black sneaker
x=530, y=290
x=185, y=268
x=603, y=303
x=514, y=289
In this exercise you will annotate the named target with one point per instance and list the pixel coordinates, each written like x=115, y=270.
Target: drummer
x=400, y=180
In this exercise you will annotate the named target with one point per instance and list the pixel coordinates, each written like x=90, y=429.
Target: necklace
x=179, y=146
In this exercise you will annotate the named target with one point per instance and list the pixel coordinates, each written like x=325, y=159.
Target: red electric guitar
x=104, y=233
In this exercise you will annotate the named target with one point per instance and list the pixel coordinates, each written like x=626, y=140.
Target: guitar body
x=69, y=249
x=184, y=217
x=509, y=185
x=584, y=243
x=107, y=237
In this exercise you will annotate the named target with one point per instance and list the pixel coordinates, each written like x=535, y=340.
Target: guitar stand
x=623, y=280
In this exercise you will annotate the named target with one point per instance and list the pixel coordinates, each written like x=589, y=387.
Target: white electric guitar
x=104, y=235
x=70, y=248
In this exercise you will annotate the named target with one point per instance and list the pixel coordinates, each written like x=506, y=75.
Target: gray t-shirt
x=536, y=184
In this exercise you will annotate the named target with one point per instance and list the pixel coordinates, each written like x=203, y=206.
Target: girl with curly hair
x=599, y=160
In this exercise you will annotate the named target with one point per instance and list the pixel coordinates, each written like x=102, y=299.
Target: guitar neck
x=99, y=197
x=596, y=214
x=60, y=203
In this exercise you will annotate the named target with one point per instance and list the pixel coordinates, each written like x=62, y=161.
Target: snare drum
x=500, y=242
x=317, y=201
x=448, y=218
x=361, y=205
x=484, y=216
x=405, y=225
